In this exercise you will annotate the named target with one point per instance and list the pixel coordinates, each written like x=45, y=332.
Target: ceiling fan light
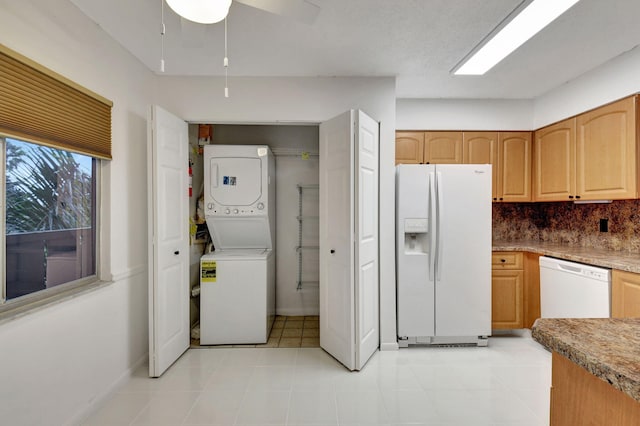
x=201, y=11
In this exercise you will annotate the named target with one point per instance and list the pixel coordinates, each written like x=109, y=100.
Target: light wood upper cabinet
x=554, y=162
x=428, y=147
x=589, y=157
x=409, y=147
x=514, y=166
x=443, y=147
x=482, y=148
x=625, y=294
x=606, y=152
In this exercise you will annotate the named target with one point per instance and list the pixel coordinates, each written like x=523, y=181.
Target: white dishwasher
x=573, y=290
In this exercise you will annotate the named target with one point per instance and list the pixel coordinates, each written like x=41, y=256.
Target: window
x=53, y=135
x=50, y=218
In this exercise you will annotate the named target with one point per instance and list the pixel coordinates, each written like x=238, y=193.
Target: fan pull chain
x=226, y=62
x=162, y=32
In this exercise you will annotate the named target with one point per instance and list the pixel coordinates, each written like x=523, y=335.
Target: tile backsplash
x=571, y=224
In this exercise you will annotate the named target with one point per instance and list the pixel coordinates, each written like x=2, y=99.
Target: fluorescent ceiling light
x=201, y=11
x=537, y=15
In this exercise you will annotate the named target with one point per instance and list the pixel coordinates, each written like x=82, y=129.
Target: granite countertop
x=608, y=348
x=622, y=260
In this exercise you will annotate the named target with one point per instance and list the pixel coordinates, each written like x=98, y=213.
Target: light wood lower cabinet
x=580, y=398
x=507, y=290
x=625, y=294
x=531, y=289
x=515, y=290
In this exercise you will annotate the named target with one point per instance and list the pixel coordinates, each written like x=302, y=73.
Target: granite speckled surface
x=622, y=260
x=608, y=348
x=571, y=224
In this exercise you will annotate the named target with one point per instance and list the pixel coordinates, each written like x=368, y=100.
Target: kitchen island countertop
x=608, y=348
x=621, y=260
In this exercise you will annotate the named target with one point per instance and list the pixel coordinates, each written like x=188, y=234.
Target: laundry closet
x=294, y=149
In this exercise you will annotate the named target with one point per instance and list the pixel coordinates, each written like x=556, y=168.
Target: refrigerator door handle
x=440, y=236
x=432, y=226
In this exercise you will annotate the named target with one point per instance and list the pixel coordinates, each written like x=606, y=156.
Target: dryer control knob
x=227, y=211
x=235, y=211
x=210, y=206
x=260, y=206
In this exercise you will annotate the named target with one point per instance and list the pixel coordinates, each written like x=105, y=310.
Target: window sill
x=17, y=309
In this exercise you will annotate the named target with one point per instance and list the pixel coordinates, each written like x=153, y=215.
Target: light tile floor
x=506, y=383
x=286, y=332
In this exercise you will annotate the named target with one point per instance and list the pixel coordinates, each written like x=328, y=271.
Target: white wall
x=59, y=361
x=305, y=100
x=464, y=114
x=613, y=80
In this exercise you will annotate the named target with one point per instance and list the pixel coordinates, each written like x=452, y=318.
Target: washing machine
x=237, y=280
x=237, y=296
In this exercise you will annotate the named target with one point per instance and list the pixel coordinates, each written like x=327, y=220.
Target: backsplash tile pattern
x=571, y=224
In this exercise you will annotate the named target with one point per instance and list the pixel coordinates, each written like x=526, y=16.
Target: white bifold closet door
x=168, y=204
x=349, y=271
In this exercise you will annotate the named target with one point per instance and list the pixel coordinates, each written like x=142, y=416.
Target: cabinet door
x=443, y=147
x=482, y=148
x=409, y=147
x=507, y=299
x=514, y=159
x=554, y=162
x=625, y=295
x=531, y=289
x=606, y=152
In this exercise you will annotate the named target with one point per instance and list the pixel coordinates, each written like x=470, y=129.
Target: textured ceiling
x=418, y=41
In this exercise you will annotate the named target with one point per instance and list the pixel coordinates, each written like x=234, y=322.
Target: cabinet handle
x=571, y=197
x=503, y=260
x=577, y=196
x=495, y=199
x=501, y=198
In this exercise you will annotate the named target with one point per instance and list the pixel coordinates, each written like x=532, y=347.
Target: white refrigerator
x=443, y=250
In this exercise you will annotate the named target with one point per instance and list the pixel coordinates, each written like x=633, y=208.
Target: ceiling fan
x=212, y=11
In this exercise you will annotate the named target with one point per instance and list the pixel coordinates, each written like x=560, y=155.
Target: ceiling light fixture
x=201, y=11
x=522, y=24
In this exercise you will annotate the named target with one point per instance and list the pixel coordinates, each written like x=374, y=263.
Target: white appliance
x=237, y=299
x=237, y=280
x=573, y=290
x=239, y=196
x=443, y=249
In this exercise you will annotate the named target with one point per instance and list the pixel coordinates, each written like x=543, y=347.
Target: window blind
x=39, y=105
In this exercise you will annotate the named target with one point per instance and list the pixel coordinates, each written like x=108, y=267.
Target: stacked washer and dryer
x=237, y=280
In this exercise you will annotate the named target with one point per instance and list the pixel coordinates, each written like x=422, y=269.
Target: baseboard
x=105, y=396
x=389, y=346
